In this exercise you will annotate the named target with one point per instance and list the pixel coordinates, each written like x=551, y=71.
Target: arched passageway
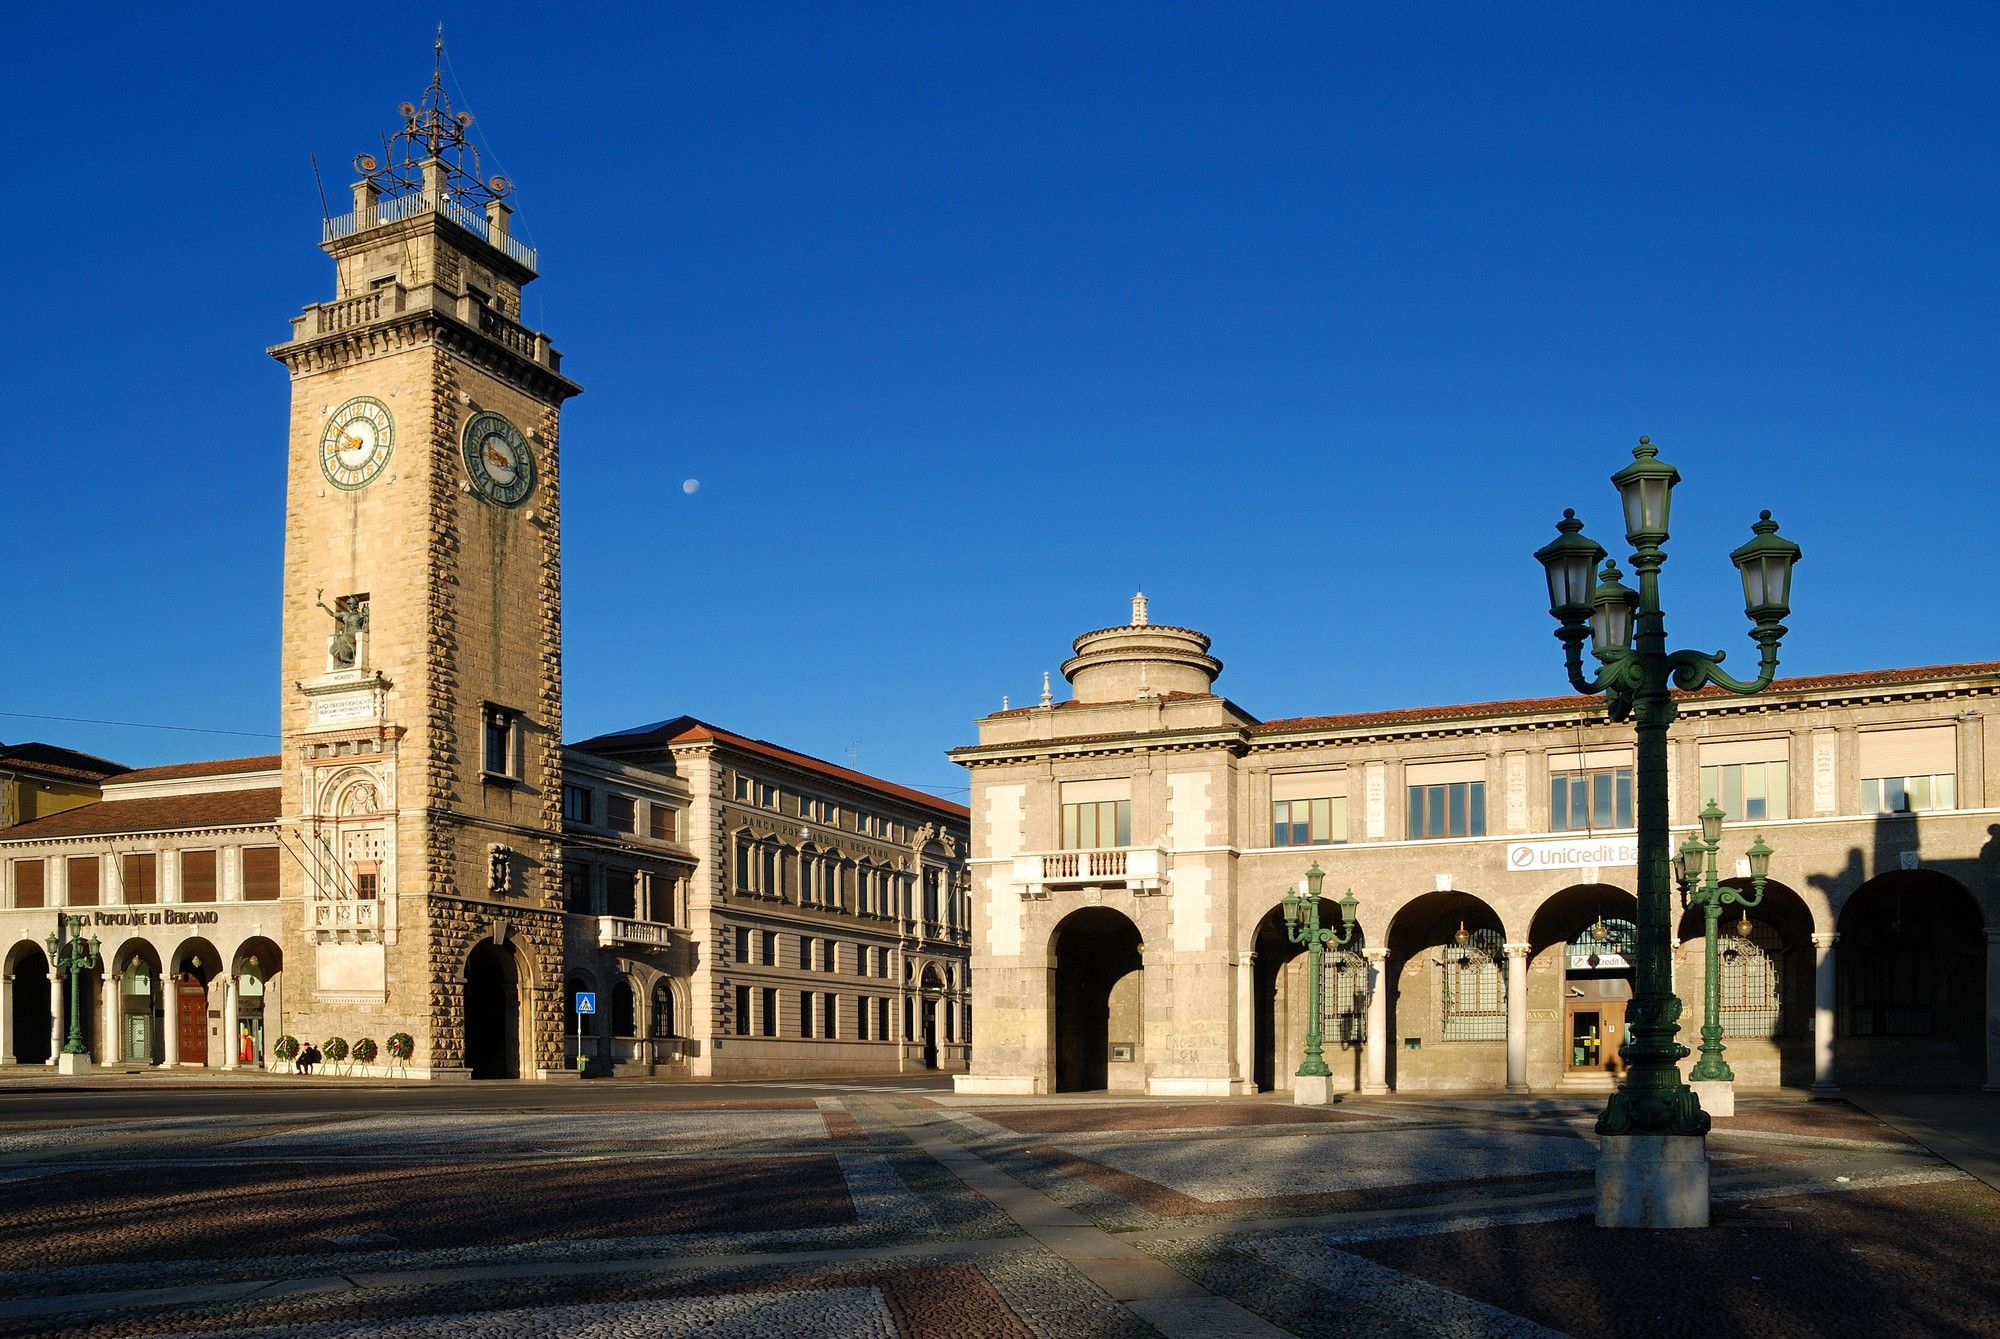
x=493, y=1011
x=31, y=1021
x=1098, y=1002
x=1282, y=999
x=930, y=986
x=257, y=976
x=1910, y=970
x=1448, y=999
x=1764, y=983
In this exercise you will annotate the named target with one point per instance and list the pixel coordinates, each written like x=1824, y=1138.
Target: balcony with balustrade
x=1141, y=869
x=620, y=932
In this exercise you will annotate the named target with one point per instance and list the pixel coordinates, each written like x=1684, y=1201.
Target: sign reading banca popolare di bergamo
x=1595, y=853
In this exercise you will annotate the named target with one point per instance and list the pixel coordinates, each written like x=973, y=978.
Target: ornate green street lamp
x=1695, y=872
x=1637, y=674
x=72, y=956
x=1303, y=927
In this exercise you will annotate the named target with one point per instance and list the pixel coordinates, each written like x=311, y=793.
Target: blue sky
x=970, y=319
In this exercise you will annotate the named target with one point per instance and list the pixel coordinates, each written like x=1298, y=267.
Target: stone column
x=7, y=1019
x=113, y=1051
x=274, y=1013
x=1825, y=1006
x=57, y=1033
x=1517, y=1017
x=229, y=1019
x=170, y=1021
x=1377, y=1080
x=1246, y=1022
x=1993, y=1011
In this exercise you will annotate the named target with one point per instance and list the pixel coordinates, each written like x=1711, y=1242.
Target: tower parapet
x=1139, y=660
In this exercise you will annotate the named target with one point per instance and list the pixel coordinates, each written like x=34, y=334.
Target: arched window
x=1472, y=1000
x=770, y=883
x=1346, y=997
x=1749, y=977
x=663, y=1009
x=1605, y=945
x=624, y=1011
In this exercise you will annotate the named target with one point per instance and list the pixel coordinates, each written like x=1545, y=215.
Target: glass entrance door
x=1596, y=1031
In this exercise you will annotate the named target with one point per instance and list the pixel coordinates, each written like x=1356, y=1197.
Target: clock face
x=356, y=444
x=497, y=459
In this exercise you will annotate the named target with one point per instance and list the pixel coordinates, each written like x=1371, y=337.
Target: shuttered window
x=619, y=813
x=260, y=874
x=197, y=876
x=142, y=885
x=662, y=823
x=29, y=889
x=83, y=881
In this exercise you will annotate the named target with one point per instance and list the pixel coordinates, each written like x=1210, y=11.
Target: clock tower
x=422, y=647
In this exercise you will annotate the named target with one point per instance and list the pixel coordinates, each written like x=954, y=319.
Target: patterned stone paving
x=843, y=1212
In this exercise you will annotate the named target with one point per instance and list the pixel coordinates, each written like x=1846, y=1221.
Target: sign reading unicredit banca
x=1536, y=857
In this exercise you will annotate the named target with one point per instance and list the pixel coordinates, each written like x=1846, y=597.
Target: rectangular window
x=743, y=1011
x=806, y=1014
x=1309, y=822
x=829, y=1020
x=197, y=876
x=1453, y=809
x=882, y=1017
x=82, y=881
x=1749, y=792
x=142, y=886
x=367, y=884
x=1096, y=824
x=660, y=824
x=576, y=804
x=861, y=1018
x=621, y=896
x=882, y=962
x=576, y=889
x=769, y=947
x=1446, y=799
x=1909, y=771
x=260, y=874
x=1593, y=799
x=805, y=953
x=621, y=813
x=29, y=883
x=770, y=1019
x=500, y=751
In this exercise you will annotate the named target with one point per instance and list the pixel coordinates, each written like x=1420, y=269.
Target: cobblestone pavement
x=902, y=1210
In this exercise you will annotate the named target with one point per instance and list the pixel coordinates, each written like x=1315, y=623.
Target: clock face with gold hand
x=497, y=459
x=356, y=444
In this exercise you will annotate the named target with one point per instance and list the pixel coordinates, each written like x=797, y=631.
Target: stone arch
x=1280, y=1002
x=1765, y=986
x=1580, y=983
x=666, y=1006
x=1446, y=997
x=196, y=966
x=498, y=1027
x=133, y=1031
x=1096, y=990
x=258, y=966
x=1910, y=977
x=31, y=1019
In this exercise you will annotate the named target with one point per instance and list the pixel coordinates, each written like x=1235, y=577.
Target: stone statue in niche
x=350, y=620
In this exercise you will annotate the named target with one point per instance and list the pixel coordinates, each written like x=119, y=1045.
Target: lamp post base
x=1718, y=1096
x=69, y=1062
x=1652, y=1181
x=1312, y=1090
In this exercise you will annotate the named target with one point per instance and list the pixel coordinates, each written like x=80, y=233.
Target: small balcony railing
x=1140, y=868
x=618, y=932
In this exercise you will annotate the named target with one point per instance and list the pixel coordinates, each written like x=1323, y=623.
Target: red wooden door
x=193, y=1023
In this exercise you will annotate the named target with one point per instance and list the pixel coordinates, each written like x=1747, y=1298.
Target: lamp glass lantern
x=1570, y=560
x=1612, y=606
x=1711, y=822
x=1646, y=488
x=1765, y=561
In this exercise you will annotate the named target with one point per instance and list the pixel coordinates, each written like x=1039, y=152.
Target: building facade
x=422, y=860
x=1132, y=846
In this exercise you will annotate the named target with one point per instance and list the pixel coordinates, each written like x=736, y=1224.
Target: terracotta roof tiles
x=154, y=813
x=266, y=762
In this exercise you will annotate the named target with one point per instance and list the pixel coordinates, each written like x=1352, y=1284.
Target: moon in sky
x=690, y=485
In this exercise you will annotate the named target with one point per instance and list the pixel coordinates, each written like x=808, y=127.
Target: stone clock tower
x=422, y=651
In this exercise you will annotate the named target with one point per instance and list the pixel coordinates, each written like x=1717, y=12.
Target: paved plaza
x=894, y=1208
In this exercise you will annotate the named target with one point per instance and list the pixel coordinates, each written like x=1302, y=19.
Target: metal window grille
x=1473, y=997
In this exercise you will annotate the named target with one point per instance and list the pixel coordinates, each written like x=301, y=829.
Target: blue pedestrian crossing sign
x=586, y=1001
